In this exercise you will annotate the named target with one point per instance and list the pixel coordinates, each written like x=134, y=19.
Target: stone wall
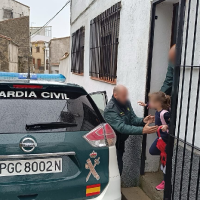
x=18, y=30
x=57, y=48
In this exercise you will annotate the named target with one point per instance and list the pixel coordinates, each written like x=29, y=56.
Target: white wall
x=162, y=40
x=79, y=7
x=133, y=45
x=132, y=56
x=65, y=68
x=132, y=62
x=17, y=8
x=132, y=52
x=54, y=69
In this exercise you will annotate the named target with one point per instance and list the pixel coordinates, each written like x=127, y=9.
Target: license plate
x=34, y=166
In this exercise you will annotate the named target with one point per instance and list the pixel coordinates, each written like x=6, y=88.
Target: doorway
x=183, y=149
x=38, y=63
x=163, y=36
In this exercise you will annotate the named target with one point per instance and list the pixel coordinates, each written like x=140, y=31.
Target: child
x=161, y=103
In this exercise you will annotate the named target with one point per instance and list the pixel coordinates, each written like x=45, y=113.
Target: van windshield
x=74, y=115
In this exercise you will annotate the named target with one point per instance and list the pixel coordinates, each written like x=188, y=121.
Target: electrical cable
x=51, y=18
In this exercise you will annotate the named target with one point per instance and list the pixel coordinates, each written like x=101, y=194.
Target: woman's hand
x=164, y=128
x=141, y=103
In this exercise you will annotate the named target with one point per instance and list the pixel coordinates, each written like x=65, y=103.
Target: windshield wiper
x=51, y=125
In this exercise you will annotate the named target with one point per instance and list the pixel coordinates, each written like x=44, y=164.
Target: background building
x=40, y=38
x=8, y=55
x=18, y=30
x=38, y=54
x=38, y=31
x=10, y=9
x=57, y=48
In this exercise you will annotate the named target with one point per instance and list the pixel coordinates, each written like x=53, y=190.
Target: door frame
x=175, y=88
x=148, y=77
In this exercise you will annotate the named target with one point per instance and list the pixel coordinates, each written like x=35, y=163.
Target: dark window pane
x=16, y=113
x=77, y=51
x=8, y=14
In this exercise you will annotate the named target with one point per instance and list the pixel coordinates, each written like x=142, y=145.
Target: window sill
x=82, y=74
x=104, y=80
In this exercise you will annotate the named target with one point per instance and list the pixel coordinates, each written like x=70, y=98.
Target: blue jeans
x=154, y=151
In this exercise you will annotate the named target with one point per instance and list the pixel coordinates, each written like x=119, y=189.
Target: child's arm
x=141, y=103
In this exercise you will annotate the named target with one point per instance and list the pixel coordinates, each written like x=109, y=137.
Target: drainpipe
x=45, y=59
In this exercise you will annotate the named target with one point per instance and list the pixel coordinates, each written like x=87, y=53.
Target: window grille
x=104, y=40
x=77, y=51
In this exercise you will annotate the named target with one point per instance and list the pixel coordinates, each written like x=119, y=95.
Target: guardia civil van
x=54, y=142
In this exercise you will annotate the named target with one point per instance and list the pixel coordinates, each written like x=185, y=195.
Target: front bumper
x=112, y=191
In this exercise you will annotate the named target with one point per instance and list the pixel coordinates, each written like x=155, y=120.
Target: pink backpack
x=162, y=119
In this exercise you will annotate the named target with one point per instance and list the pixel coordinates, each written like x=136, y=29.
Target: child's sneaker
x=161, y=186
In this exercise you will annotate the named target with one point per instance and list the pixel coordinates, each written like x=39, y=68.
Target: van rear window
x=26, y=111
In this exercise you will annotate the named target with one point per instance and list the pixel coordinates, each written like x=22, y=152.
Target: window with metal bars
x=104, y=41
x=77, y=51
x=7, y=14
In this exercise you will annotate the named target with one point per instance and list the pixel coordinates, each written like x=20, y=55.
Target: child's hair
x=164, y=99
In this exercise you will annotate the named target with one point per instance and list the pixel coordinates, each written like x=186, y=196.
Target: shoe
x=161, y=186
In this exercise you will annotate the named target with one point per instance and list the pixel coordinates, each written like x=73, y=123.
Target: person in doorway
x=161, y=103
x=167, y=84
x=120, y=115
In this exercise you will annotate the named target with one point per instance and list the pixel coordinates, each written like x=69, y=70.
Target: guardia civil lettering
x=32, y=94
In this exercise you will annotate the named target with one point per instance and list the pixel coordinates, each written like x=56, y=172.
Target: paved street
x=134, y=193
